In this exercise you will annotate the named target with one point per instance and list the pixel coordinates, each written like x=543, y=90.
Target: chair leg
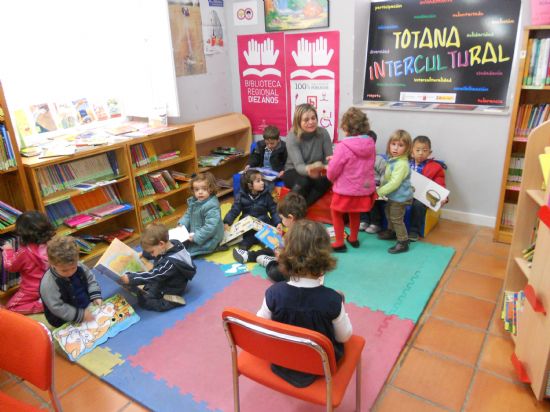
x=358, y=374
x=236, y=400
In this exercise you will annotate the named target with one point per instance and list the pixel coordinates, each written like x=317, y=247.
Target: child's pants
x=151, y=297
x=395, y=213
x=338, y=222
x=418, y=216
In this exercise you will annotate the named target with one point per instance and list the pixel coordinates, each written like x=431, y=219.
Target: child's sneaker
x=240, y=255
x=373, y=229
x=264, y=260
x=174, y=299
x=363, y=226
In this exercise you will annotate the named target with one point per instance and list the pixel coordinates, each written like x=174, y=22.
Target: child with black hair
x=303, y=301
x=291, y=209
x=253, y=200
x=270, y=152
x=30, y=260
x=432, y=169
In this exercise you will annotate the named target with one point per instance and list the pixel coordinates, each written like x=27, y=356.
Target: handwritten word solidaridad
x=430, y=39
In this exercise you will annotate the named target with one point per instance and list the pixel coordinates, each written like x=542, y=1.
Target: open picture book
x=239, y=228
x=119, y=258
x=112, y=317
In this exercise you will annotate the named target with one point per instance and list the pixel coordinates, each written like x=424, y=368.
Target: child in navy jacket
x=253, y=200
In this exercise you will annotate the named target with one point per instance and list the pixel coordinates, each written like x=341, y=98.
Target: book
x=119, y=234
x=544, y=159
x=448, y=106
x=182, y=177
x=269, y=236
x=120, y=258
x=227, y=150
x=233, y=269
x=427, y=191
x=179, y=233
x=241, y=227
x=267, y=174
x=113, y=316
x=209, y=161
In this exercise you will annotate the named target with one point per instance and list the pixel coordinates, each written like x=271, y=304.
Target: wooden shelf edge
x=524, y=266
x=163, y=164
x=10, y=291
x=537, y=196
x=8, y=229
x=153, y=198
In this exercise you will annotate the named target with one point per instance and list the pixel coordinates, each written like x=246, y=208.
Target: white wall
x=472, y=145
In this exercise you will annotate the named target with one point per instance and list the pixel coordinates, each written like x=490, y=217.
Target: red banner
x=262, y=75
x=312, y=69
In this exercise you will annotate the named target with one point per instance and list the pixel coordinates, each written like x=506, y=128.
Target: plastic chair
x=26, y=350
x=263, y=342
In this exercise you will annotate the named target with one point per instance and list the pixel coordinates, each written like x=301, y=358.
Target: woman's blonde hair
x=307, y=250
x=354, y=122
x=300, y=110
x=400, y=136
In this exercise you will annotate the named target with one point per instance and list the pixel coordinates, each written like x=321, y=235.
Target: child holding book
x=396, y=186
x=254, y=199
x=269, y=153
x=172, y=269
x=30, y=260
x=68, y=287
x=303, y=301
x=351, y=171
x=432, y=169
x=203, y=217
x=290, y=208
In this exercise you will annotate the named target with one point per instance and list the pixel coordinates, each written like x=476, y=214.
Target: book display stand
x=531, y=108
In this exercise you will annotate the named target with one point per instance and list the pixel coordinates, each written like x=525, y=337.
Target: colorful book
x=233, y=269
x=112, y=317
x=120, y=258
x=269, y=236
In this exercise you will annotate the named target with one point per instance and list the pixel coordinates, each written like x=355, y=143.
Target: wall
x=472, y=145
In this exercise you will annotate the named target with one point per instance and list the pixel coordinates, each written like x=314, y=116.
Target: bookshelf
x=169, y=151
x=14, y=189
x=107, y=175
x=532, y=342
x=231, y=129
x=531, y=108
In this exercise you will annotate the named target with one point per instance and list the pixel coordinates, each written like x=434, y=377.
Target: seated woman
x=308, y=147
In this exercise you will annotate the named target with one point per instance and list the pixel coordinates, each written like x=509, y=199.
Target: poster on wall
x=312, y=69
x=262, y=76
x=456, y=52
x=186, y=29
x=213, y=30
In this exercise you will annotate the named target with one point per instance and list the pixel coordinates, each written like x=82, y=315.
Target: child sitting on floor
x=432, y=169
x=30, y=260
x=291, y=208
x=68, y=287
x=253, y=200
x=269, y=153
x=173, y=268
x=203, y=219
x=303, y=301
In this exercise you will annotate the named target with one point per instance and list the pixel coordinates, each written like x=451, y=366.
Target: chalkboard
x=441, y=51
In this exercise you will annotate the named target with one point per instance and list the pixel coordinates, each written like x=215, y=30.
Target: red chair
x=26, y=350
x=318, y=211
x=263, y=342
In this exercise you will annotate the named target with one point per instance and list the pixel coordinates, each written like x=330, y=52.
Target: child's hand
x=97, y=302
x=7, y=246
x=226, y=227
x=281, y=174
x=191, y=236
x=445, y=201
x=88, y=316
x=280, y=228
x=329, y=158
x=246, y=167
x=124, y=279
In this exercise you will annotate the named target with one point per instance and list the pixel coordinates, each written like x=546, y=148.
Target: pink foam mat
x=194, y=354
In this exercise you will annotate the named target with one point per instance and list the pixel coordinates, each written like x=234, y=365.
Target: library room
x=173, y=176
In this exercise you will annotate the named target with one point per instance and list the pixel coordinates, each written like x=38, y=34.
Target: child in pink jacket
x=30, y=260
x=351, y=171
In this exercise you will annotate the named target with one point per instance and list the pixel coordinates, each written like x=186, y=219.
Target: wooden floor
x=457, y=359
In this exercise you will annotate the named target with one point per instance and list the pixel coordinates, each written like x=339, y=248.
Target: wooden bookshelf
x=231, y=129
x=532, y=343
x=14, y=189
x=178, y=140
x=520, y=125
x=117, y=180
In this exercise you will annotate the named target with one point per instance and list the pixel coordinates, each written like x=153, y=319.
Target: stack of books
x=511, y=305
x=156, y=210
x=8, y=215
x=158, y=182
x=7, y=157
x=537, y=67
x=143, y=154
x=80, y=220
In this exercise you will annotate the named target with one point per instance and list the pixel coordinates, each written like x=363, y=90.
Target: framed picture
x=282, y=15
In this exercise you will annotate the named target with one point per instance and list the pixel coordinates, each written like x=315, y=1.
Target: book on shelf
x=182, y=177
x=119, y=234
x=173, y=154
x=113, y=316
x=537, y=63
x=210, y=161
x=110, y=209
x=511, y=305
x=544, y=159
x=84, y=246
x=7, y=156
x=508, y=214
x=227, y=150
x=79, y=220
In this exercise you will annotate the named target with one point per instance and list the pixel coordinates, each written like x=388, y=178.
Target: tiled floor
x=457, y=358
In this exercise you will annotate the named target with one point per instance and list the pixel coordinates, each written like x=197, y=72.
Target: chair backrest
x=285, y=345
x=26, y=349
